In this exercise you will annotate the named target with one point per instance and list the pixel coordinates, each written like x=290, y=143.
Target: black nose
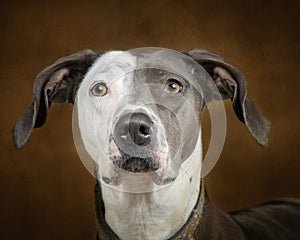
x=140, y=128
x=134, y=127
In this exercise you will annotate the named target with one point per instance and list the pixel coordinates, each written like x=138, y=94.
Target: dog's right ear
x=57, y=83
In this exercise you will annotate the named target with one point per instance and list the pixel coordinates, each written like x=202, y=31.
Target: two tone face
x=139, y=114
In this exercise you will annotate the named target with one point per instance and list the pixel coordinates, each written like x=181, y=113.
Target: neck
x=154, y=215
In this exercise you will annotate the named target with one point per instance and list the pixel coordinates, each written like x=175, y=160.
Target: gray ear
x=231, y=84
x=57, y=83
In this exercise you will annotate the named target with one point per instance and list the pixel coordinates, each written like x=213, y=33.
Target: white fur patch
x=95, y=113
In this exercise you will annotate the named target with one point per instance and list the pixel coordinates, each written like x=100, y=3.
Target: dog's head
x=139, y=111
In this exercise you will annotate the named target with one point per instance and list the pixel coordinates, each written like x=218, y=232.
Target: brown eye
x=173, y=86
x=99, y=89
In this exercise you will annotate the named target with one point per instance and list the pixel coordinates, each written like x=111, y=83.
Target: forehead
x=143, y=66
x=111, y=65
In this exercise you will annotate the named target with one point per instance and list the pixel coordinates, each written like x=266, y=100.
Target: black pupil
x=100, y=88
x=173, y=86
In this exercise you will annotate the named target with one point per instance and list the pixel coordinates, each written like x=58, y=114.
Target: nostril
x=144, y=130
x=140, y=129
x=140, y=133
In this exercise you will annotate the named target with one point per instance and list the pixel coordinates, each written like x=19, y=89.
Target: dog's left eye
x=173, y=86
x=99, y=89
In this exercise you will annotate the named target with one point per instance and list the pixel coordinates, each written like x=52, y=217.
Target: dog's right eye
x=99, y=89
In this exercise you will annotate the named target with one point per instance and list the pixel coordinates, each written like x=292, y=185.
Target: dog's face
x=137, y=119
x=140, y=113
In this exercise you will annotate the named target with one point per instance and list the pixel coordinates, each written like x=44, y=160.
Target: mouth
x=146, y=164
x=126, y=165
x=137, y=164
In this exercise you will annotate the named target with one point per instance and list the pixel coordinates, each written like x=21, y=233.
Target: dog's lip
x=158, y=175
x=139, y=165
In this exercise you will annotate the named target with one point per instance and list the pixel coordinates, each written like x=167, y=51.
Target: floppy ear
x=57, y=83
x=231, y=84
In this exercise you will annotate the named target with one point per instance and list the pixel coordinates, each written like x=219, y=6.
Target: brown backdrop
x=46, y=193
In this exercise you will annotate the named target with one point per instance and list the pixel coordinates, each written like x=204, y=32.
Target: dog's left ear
x=231, y=84
x=57, y=83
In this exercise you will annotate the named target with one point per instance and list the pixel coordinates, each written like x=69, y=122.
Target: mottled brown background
x=46, y=193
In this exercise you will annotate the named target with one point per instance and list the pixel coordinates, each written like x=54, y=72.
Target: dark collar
x=187, y=231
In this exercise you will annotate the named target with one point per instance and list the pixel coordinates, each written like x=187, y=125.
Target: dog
x=139, y=118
